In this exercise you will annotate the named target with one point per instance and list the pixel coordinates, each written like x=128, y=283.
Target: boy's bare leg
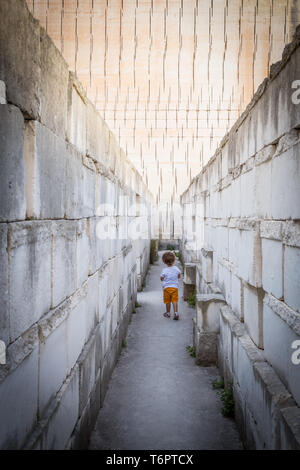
x=175, y=307
x=167, y=312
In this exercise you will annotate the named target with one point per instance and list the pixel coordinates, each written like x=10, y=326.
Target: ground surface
x=158, y=398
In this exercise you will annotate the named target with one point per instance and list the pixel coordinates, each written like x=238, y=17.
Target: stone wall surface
x=66, y=292
x=241, y=230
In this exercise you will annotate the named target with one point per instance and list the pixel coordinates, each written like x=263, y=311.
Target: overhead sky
x=170, y=77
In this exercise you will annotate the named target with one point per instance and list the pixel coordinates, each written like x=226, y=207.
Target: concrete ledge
x=260, y=396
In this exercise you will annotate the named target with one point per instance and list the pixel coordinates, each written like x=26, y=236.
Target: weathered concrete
x=250, y=223
x=12, y=176
x=158, y=398
x=62, y=325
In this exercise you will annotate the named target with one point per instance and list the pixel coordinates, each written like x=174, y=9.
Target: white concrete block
x=261, y=389
x=46, y=158
x=12, y=176
x=249, y=250
x=64, y=260
x=76, y=331
x=30, y=274
x=108, y=327
x=292, y=277
x=237, y=297
x=74, y=184
x=77, y=120
x=89, y=193
x=224, y=281
x=4, y=312
x=92, y=312
x=263, y=190
x=235, y=202
x=285, y=185
x=222, y=242
x=53, y=365
x=248, y=194
x=64, y=418
x=208, y=312
x=289, y=428
x=95, y=136
x=19, y=403
x=272, y=267
x=278, y=341
x=103, y=293
x=253, y=313
x=234, y=241
x=86, y=373
x=115, y=314
x=82, y=252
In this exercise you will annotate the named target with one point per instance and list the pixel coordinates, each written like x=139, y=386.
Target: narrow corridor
x=157, y=397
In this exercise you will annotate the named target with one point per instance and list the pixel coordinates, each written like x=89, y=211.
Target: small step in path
x=158, y=398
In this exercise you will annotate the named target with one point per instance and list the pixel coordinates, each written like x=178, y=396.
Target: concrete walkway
x=158, y=398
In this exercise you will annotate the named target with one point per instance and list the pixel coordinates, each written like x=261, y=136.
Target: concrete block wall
x=66, y=294
x=244, y=209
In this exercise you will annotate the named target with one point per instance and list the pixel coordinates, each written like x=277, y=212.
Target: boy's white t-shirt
x=170, y=277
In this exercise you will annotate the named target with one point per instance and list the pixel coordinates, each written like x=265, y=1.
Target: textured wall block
x=82, y=251
x=234, y=241
x=77, y=117
x=96, y=146
x=278, y=340
x=237, y=296
x=53, y=86
x=224, y=281
x=74, y=184
x=248, y=194
x=64, y=260
x=253, y=313
x=103, y=292
x=4, y=312
x=63, y=420
x=46, y=158
x=285, y=185
x=20, y=56
x=86, y=365
x=249, y=267
x=272, y=267
x=53, y=365
x=88, y=208
x=99, y=250
x=263, y=190
x=93, y=303
x=292, y=277
x=12, y=176
x=30, y=274
x=76, y=331
x=19, y=403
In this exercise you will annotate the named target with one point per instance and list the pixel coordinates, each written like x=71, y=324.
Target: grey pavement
x=158, y=398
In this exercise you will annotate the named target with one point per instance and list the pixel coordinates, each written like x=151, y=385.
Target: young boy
x=169, y=278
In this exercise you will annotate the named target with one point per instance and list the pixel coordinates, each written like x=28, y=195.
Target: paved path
x=157, y=397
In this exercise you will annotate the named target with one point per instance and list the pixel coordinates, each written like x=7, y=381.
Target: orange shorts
x=170, y=295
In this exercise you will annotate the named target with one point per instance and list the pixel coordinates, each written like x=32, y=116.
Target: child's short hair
x=168, y=258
